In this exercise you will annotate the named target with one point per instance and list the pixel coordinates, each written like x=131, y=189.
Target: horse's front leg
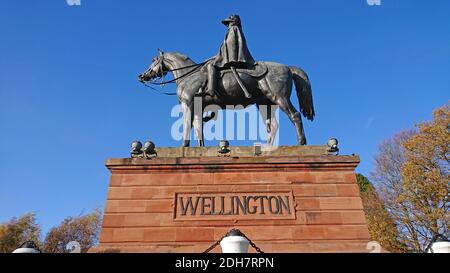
x=188, y=115
x=198, y=128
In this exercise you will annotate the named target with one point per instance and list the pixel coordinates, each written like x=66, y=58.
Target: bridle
x=161, y=72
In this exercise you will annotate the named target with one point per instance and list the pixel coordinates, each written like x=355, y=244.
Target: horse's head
x=157, y=69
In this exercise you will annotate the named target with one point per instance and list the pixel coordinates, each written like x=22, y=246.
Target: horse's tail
x=209, y=117
x=304, y=92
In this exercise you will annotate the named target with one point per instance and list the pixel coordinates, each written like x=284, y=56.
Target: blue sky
x=69, y=97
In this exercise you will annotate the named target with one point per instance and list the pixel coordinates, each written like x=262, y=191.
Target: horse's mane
x=180, y=55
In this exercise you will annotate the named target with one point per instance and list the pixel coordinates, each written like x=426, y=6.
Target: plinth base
x=293, y=199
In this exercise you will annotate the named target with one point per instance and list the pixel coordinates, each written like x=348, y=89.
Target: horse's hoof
x=186, y=143
x=302, y=141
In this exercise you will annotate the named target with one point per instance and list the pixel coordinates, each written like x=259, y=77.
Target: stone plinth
x=293, y=199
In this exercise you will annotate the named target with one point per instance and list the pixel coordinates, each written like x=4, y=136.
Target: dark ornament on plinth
x=147, y=152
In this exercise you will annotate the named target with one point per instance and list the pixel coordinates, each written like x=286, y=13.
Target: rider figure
x=233, y=53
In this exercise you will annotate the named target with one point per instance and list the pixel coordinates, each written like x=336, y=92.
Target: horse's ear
x=160, y=52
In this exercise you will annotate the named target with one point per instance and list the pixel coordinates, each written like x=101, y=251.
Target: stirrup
x=200, y=92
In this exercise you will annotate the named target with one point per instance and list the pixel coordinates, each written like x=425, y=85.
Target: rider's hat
x=234, y=19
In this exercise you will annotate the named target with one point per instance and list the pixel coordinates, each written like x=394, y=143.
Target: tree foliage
x=380, y=224
x=18, y=230
x=412, y=175
x=84, y=229
x=426, y=177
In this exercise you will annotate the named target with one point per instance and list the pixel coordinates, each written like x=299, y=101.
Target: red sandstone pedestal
x=293, y=199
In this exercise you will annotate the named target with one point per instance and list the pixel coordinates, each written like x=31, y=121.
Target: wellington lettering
x=234, y=205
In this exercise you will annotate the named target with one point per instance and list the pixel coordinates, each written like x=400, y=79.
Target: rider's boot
x=212, y=80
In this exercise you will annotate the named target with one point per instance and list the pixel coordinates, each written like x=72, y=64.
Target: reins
x=162, y=83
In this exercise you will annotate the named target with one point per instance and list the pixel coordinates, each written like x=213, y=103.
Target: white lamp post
x=234, y=242
x=27, y=247
x=440, y=244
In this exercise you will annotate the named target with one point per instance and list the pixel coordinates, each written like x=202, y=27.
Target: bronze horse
x=272, y=88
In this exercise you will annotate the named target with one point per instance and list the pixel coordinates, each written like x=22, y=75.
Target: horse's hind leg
x=277, y=87
x=287, y=107
x=273, y=124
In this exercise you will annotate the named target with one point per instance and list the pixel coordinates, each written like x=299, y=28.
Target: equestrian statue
x=232, y=77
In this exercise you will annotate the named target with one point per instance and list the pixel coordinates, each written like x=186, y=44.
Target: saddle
x=258, y=70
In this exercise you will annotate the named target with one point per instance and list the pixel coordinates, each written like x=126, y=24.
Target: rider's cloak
x=234, y=51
